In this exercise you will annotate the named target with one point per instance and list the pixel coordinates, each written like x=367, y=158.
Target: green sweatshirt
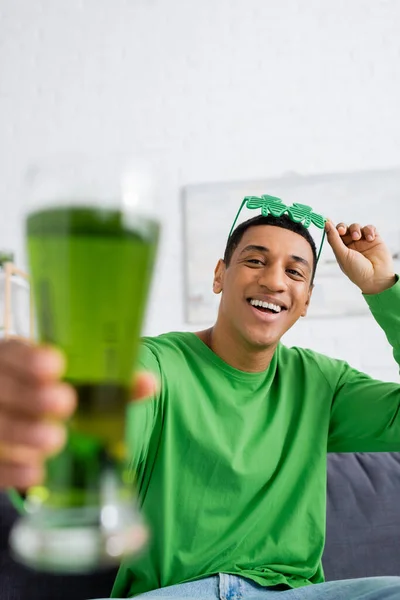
x=231, y=466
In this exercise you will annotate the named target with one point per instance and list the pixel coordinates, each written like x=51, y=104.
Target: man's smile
x=266, y=311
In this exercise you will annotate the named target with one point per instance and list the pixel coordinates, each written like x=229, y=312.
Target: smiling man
x=230, y=455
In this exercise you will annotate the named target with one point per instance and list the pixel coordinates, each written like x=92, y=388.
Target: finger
x=369, y=232
x=45, y=436
x=145, y=385
x=57, y=400
x=20, y=455
x=355, y=231
x=20, y=477
x=336, y=242
x=32, y=363
x=342, y=228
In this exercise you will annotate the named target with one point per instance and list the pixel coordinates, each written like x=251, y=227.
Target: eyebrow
x=265, y=250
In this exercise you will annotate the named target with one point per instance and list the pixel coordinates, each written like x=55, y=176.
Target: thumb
x=339, y=248
x=144, y=385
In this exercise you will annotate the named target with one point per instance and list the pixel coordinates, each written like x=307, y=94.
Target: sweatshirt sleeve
x=365, y=413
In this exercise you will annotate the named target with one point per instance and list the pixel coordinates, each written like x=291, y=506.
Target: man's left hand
x=362, y=255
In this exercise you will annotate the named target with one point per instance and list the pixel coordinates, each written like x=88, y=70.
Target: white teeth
x=273, y=307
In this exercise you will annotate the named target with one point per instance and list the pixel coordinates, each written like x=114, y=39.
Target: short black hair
x=284, y=221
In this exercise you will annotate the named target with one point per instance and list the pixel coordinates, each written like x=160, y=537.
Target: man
x=231, y=454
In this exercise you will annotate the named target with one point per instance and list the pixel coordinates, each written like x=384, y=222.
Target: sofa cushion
x=363, y=515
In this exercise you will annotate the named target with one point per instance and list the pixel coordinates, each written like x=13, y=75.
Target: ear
x=219, y=273
x=310, y=291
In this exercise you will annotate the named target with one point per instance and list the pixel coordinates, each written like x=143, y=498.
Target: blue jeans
x=233, y=587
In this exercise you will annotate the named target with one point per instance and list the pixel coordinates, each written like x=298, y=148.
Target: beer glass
x=91, y=238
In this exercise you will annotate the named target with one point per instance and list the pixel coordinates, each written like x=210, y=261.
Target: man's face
x=270, y=265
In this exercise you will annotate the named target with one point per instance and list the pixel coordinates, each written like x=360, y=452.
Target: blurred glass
x=91, y=235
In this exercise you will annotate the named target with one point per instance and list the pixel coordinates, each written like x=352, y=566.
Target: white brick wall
x=211, y=91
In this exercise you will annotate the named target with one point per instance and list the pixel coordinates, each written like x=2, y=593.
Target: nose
x=272, y=277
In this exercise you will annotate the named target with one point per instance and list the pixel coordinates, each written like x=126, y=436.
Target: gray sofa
x=363, y=533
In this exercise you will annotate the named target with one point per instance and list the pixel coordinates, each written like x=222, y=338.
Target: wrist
x=380, y=286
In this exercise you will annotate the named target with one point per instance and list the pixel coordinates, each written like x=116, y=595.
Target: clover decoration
x=271, y=205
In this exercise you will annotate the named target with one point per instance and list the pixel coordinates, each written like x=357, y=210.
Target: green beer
x=91, y=270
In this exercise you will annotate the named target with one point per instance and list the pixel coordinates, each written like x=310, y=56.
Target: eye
x=294, y=272
x=254, y=261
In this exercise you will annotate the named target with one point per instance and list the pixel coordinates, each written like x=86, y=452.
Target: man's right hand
x=34, y=405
